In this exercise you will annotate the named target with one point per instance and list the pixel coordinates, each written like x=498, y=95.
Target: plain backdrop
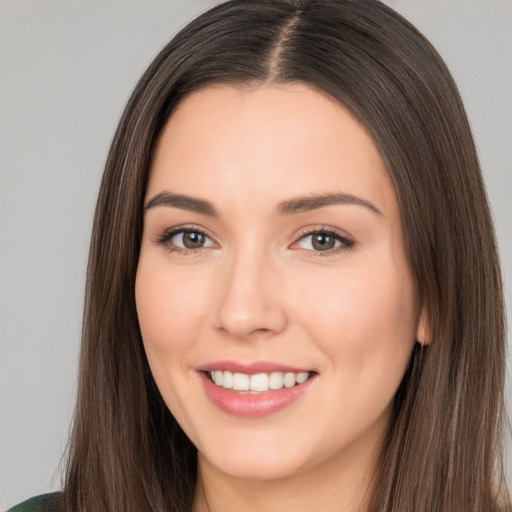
x=67, y=68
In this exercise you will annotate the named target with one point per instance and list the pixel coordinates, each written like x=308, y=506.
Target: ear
x=423, y=333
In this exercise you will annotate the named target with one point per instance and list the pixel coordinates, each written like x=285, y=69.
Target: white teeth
x=276, y=380
x=240, y=382
x=259, y=382
x=289, y=380
x=227, y=380
x=302, y=377
x=217, y=377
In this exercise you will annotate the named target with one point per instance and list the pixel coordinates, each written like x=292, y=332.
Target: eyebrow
x=314, y=202
x=288, y=207
x=182, y=201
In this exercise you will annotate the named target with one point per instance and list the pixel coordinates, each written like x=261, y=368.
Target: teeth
x=240, y=382
x=276, y=380
x=259, y=382
x=227, y=380
x=217, y=377
x=289, y=380
x=302, y=377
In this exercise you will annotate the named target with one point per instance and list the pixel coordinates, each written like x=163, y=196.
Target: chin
x=255, y=469
x=254, y=461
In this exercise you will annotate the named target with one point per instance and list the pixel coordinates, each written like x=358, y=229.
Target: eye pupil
x=323, y=242
x=193, y=239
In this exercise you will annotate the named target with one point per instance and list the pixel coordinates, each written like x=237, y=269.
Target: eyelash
x=345, y=243
x=166, y=236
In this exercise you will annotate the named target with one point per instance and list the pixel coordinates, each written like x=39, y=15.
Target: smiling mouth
x=257, y=383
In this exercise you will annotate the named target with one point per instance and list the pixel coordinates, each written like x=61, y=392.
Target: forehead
x=267, y=142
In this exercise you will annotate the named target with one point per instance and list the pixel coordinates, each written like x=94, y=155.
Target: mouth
x=256, y=383
x=256, y=390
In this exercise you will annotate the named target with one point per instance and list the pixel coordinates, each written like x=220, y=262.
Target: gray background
x=66, y=71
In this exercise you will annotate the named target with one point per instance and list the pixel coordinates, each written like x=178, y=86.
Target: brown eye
x=181, y=240
x=322, y=241
x=192, y=239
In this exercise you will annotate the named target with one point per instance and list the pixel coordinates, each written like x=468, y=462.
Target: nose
x=250, y=304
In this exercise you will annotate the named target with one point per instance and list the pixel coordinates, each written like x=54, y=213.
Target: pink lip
x=251, y=368
x=253, y=405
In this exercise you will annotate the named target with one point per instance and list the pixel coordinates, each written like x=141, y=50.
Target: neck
x=343, y=482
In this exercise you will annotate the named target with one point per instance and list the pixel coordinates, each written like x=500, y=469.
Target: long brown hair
x=443, y=450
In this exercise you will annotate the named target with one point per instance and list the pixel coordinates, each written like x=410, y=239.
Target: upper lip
x=250, y=368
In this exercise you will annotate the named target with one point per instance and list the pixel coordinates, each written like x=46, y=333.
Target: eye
x=324, y=241
x=185, y=240
x=190, y=239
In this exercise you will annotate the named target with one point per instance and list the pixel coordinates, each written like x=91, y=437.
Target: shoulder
x=43, y=503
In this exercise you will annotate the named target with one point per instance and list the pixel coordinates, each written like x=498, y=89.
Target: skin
x=259, y=290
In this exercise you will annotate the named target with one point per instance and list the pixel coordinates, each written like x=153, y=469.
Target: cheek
x=363, y=318
x=170, y=308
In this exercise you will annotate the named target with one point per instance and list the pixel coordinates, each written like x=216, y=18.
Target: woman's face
x=273, y=256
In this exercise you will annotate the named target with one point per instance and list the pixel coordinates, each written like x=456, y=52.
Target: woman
x=293, y=296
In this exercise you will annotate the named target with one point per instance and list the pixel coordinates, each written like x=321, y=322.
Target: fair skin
x=324, y=289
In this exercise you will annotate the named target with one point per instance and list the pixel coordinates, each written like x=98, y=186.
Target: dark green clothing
x=44, y=503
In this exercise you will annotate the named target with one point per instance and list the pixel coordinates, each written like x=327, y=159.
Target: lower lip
x=253, y=405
